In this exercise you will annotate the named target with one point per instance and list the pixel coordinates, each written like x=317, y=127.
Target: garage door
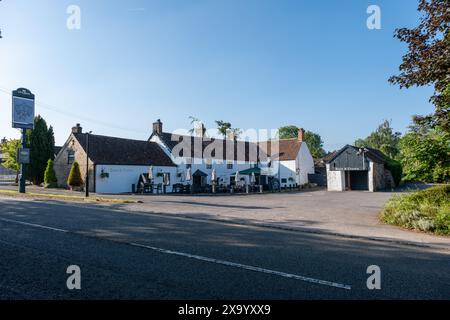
x=359, y=180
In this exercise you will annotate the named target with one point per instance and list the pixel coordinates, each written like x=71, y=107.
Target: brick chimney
x=77, y=129
x=301, y=134
x=157, y=127
x=231, y=135
x=200, y=131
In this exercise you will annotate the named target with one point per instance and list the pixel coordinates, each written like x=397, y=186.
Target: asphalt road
x=126, y=255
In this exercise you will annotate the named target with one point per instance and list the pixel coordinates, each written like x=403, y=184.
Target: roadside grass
x=16, y=194
x=426, y=210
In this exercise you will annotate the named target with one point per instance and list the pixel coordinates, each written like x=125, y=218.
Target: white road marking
x=247, y=267
x=33, y=225
x=206, y=259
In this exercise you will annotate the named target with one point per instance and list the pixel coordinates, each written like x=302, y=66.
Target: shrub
x=427, y=210
x=74, y=179
x=50, y=179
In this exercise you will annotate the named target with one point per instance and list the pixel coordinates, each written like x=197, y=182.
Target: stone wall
x=62, y=168
x=377, y=173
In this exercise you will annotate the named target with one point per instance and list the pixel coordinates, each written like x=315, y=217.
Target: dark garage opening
x=356, y=180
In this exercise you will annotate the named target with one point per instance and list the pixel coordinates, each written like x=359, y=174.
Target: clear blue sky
x=255, y=63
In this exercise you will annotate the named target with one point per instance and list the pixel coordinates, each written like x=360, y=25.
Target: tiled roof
x=287, y=149
x=231, y=150
x=118, y=151
x=57, y=149
x=321, y=162
x=248, y=151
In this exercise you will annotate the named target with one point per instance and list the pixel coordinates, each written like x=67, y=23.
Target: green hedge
x=395, y=167
x=427, y=210
x=50, y=179
x=75, y=179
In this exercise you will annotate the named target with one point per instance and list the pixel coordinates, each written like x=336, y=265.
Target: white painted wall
x=335, y=180
x=122, y=177
x=221, y=166
x=287, y=169
x=305, y=163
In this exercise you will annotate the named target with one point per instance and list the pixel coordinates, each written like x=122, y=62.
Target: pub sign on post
x=23, y=109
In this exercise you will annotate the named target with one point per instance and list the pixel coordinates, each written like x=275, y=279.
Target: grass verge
x=16, y=194
x=426, y=210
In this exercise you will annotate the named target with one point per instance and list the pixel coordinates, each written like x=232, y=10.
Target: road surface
x=125, y=255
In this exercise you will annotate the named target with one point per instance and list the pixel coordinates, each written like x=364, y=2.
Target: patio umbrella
x=214, y=175
x=252, y=178
x=189, y=174
x=237, y=178
x=150, y=173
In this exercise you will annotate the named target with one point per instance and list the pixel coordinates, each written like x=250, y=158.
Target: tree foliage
x=315, y=144
x=9, y=149
x=41, y=142
x=313, y=140
x=74, y=179
x=396, y=169
x=384, y=139
x=50, y=179
x=223, y=127
x=427, y=61
x=425, y=154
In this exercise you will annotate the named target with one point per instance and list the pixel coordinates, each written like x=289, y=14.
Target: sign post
x=23, y=118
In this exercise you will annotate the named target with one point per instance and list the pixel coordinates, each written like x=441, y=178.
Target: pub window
x=208, y=164
x=70, y=157
x=229, y=165
x=283, y=180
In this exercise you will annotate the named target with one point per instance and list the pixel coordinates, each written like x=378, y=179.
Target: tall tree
x=315, y=144
x=288, y=132
x=223, y=127
x=194, y=123
x=74, y=180
x=425, y=154
x=9, y=149
x=384, y=139
x=235, y=132
x=312, y=139
x=42, y=148
x=428, y=59
x=50, y=179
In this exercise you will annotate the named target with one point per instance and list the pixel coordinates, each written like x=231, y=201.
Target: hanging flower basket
x=104, y=175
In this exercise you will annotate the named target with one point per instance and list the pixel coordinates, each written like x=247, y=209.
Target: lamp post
x=23, y=118
x=87, y=164
x=23, y=165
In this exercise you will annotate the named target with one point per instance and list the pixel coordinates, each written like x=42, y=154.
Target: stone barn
x=353, y=168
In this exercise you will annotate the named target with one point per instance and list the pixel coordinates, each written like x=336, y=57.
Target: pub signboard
x=22, y=109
